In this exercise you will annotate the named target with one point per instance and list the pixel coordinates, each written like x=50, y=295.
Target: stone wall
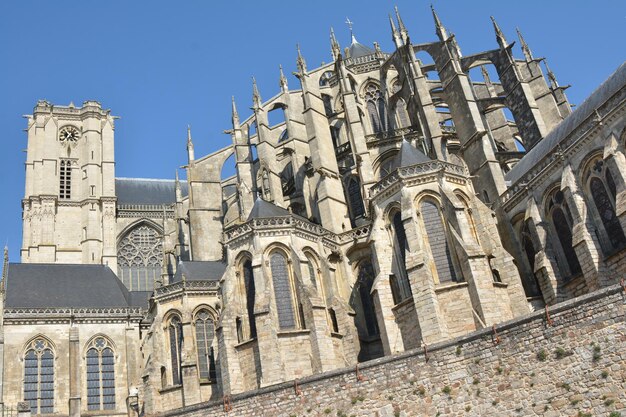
x=573, y=363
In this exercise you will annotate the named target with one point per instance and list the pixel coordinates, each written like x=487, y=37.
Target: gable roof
x=65, y=285
x=147, y=191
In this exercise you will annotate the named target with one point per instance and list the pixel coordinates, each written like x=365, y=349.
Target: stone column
x=74, y=365
x=584, y=238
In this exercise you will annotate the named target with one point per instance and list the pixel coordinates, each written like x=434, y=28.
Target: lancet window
x=175, y=333
x=438, y=241
x=65, y=179
x=562, y=223
x=284, y=292
x=39, y=377
x=139, y=258
x=401, y=287
x=100, y=375
x=376, y=108
x=205, y=335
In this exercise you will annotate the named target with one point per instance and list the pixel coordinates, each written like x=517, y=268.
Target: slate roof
x=357, y=49
x=263, y=209
x=606, y=90
x=199, y=271
x=64, y=285
x=409, y=155
x=147, y=191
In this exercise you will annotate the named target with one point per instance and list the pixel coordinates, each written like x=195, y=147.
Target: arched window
x=140, y=257
x=39, y=377
x=325, y=78
x=601, y=187
x=65, y=179
x=400, y=245
x=438, y=241
x=312, y=270
x=355, y=198
x=175, y=330
x=328, y=105
x=250, y=294
x=284, y=291
x=365, y=280
x=100, y=375
x=402, y=114
x=387, y=166
x=376, y=108
x=561, y=219
x=205, y=334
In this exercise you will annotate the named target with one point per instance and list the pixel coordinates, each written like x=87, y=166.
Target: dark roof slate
x=606, y=90
x=199, y=271
x=64, y=285
x=147, y=191
x=409, y=155
x=357, y=49
x=263, y=209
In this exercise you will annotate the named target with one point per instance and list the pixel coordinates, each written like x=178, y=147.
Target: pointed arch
x=100, y=373
x=205, y=324
x=561, y=222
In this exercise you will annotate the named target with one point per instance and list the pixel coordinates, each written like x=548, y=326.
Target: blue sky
x=162, y=65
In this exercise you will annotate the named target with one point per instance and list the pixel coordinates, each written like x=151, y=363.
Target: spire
x=190, y=151
x=485, y=74
x=553, y=82
x=235, y=115
x=334, y=45
x=525, y=49
x=440, y=30
x=403, y=30
x=301, y=63
x=395, y=35
x=499, y=35
x=5, y=268
x=256, y=97
x=282, y=80
x=350, y=23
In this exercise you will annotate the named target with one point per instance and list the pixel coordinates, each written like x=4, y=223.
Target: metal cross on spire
x=350, y=23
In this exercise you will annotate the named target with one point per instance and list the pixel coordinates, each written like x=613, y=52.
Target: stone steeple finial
x=441, y=31
x=256, y=97
x=282, y=79
x=190, y=151
x=403, y=31
x=553, y=82
x=499, y=35
x=485, y=74
x=525, y=48
x=300, y=62
x=395, y=35
x=235, y=114
x=179, y=193
x=334, y=45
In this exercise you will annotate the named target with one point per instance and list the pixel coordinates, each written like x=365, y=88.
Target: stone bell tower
x=69, y=199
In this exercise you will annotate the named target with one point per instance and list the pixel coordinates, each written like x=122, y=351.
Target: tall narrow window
x=39, y=377
x=283, y=291
x=100, y=375
x=400, y=245
x=328, y=105
x=365, y=281
x=176, y=344
x=65, y=179
x=376, y=108
x=248, y=282
x=355, y=198
x=205, y=334
x=561, y=219
x=438, y=241
x=139, y=258
x=601, y=186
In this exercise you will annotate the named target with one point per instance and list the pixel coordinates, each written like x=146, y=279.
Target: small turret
x=395, y=35
x=553, y=82
x=403, y=32
x=300, y=62
x=256, y=97
x=499, y=35
x=282, y=80
x=234, y=114
x=190, y=151
x=525, y=49
x=334, y=45
x=440, y=30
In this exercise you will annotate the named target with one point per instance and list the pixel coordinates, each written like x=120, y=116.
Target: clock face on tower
x=69, y=134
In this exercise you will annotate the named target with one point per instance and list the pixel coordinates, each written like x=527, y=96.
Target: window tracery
x=205, y=334
x=284, y=291
x=39, y=377
x=175, y=330
x=140, y=258
x=100, y=375
x=438, y=241
x=355, y=198
x=376, y=108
